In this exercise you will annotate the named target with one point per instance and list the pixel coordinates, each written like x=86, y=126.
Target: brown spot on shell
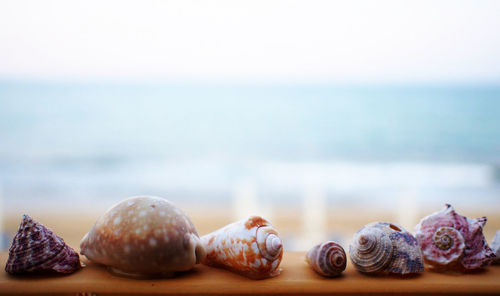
x=237, y=249
x=255, y=221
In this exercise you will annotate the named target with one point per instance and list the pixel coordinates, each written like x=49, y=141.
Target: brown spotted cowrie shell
x=143, y=236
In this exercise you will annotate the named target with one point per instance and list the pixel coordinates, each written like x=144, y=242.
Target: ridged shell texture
x=452, y=242
x=327, y=259
x=36, y=248
x=381, y=248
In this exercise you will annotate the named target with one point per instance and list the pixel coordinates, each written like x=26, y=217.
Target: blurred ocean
x=80, y=144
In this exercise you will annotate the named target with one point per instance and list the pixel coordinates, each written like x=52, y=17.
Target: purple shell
x=453, y=242
x=37, y=248
x=327, y=259
x=385, y=248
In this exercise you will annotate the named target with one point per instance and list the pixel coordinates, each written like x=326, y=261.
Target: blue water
x=66, y=141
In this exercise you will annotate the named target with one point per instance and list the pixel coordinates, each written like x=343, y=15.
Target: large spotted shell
x=495, y=246
x=251, y=247
x=381, y=248
x=327, y=259
x=36, y=248
x=143, y=236
x=452, y=242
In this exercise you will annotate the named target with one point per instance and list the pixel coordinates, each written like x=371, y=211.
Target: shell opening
x=199, y=252
x=338, y=260
x=395, y=227
x=193, y=242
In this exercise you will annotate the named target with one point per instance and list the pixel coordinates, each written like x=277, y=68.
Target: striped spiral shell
x=371, y=250
x=382, y=248
x=327, y=259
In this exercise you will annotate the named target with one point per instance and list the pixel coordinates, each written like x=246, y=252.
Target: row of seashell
x=445, y=240
x=149, y=236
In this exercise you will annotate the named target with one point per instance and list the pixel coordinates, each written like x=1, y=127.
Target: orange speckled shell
x=241, y=248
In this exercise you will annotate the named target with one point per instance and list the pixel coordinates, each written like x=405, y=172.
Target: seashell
x=495, y=246
x=143, y=236
x=327, y=259
x=382, y=248
x=250, y=247
x=36, y=248
x=452, y=242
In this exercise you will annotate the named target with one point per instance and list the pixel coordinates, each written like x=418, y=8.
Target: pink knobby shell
x=495, y=246
x=453, y=242
x=36, y=248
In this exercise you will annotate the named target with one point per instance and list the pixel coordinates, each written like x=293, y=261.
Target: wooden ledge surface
x=296, y=278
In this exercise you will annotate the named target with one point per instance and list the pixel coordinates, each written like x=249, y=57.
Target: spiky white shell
x=495, y=246
x=381, y=248
x=251, y=247
x=142, y=236
x=452, y=242
x=327, y=259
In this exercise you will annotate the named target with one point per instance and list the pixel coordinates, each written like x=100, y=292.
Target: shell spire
x=327, y=259
x=452, y=242
x=381, y=248
x=251, y=247
x=36, y=248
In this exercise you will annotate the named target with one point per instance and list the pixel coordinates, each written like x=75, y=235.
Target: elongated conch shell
x=452, y=242
x=143, y=236
x=495, y=246
x=36, y=248
x=382, y=248
x=250, y=247
x=327, y=259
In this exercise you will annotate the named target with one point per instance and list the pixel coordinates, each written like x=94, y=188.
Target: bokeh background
x=321, y=116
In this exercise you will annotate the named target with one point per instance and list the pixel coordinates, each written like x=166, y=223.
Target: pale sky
x=251, y=41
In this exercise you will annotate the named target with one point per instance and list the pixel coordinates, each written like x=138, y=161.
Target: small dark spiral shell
x=327, y=259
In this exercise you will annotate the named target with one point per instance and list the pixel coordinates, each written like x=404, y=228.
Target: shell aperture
x=251, y=247
x=36, y=248
x=327, y=259
x=452, y=242
x=381, y=248
x=143, y=236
